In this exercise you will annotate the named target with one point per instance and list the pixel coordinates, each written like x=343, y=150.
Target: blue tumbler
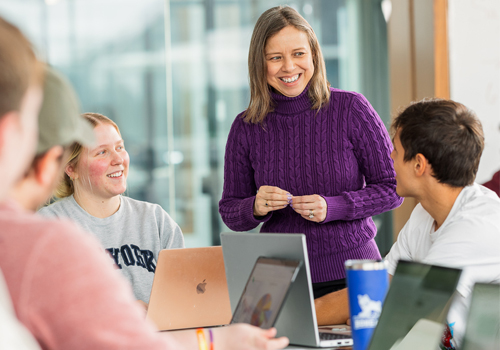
x=367, y=285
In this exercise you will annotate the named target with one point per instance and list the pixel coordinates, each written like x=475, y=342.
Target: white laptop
x=297, y=319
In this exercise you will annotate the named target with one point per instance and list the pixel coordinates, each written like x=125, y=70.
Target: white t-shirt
x=13, y=335
x=468, y=239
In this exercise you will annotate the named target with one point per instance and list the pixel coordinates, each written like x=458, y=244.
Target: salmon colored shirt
x=65, y=290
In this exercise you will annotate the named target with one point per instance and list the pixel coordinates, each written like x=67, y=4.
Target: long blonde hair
x=268, y=25
x=66, y=187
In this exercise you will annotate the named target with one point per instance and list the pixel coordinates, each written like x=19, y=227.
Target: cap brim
x=60, y=122
x=85, y=135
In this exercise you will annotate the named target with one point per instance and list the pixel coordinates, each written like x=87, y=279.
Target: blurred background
x=173, y=75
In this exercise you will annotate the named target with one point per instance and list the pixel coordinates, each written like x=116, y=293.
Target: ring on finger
x=266, y=204
x=311, y=213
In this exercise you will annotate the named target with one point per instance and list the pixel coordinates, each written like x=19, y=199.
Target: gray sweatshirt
x=133, y=236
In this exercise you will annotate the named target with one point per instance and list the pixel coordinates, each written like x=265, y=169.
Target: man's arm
x=332, y=308
x=234, y=337
x=76, y=300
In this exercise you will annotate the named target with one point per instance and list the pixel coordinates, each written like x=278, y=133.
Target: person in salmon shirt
x=64, y=289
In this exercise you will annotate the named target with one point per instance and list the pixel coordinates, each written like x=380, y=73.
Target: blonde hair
x=66, y=187
x=268, y=25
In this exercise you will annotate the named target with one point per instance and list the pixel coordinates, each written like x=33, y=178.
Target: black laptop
x=415, y=308
x=483, y=322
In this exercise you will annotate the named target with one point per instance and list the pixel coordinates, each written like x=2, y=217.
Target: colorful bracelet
x=202, y=341
x=211, y=339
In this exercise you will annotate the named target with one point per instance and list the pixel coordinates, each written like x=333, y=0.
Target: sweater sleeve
x=238, y=194
x=372, y=147
x=73, y=299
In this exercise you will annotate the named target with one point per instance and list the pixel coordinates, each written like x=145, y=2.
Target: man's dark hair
x=448, y=134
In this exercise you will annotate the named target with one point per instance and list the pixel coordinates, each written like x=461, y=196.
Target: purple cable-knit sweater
x=341, y=152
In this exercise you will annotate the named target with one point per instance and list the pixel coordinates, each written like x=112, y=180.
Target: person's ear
x=49, y=165
x=71, y=172
x=8, y=122
x=421, y=165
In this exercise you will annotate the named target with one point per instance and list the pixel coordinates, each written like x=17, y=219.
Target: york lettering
x=148, y=258
x=114, y=254
x=132, y=255
x=138, y=257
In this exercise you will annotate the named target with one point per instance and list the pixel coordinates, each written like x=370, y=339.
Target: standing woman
x=305, y=157
x=91, y=191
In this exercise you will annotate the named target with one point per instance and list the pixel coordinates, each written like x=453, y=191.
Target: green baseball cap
x=59, y=121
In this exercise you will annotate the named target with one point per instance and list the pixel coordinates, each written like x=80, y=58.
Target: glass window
x=173, y=75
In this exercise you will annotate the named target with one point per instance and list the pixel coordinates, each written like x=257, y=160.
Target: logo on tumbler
x=369, y=314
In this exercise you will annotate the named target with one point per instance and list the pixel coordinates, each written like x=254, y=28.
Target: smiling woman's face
x=289, y=61
x=102, y=171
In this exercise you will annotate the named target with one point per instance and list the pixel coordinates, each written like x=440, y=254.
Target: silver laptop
x=297, y=319
x=483, y=322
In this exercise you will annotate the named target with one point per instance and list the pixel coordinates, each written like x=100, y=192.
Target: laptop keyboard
x=332, y=336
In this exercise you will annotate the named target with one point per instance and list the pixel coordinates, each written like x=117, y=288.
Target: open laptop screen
x=265, y=291
x=483, y=323
x=417, y=291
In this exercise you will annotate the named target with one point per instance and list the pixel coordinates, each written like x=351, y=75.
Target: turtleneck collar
x=291, y=105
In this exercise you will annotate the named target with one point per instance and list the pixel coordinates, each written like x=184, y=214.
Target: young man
x=20, y=99
x=437, y=148
x=64, y=289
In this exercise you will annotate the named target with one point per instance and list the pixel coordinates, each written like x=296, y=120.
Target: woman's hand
x=270, y=198
x=312, y=208
x=246, y=337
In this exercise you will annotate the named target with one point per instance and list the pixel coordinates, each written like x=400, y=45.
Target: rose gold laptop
x=190, y=289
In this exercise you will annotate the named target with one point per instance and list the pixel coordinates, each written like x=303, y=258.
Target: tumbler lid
x=365, y=265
